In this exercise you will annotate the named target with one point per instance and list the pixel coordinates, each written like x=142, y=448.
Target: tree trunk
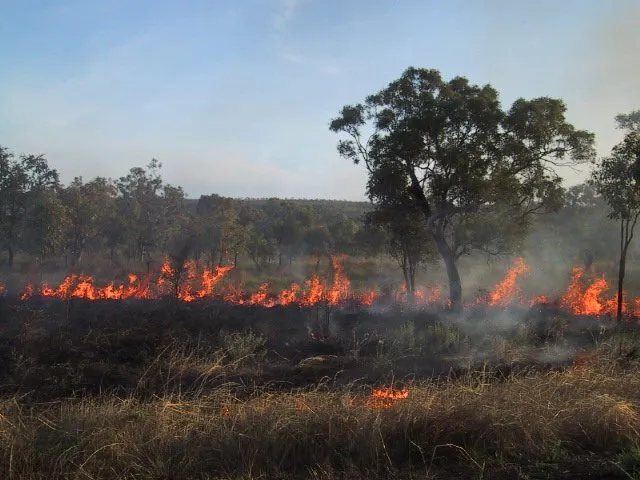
x=10, y=252
x=235, y=259
x=408, y=272
x=412, y=278
x=405, y=274
x=621, y=269
x=455, y=286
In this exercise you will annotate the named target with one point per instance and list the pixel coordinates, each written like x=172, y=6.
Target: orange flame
x=539, y=300
x=390, y=393
x=190, y=283
x=590, y=300
x=341, y=288
x=315, y=292
x=386, y=397
x=507, y=291
x=27, y=292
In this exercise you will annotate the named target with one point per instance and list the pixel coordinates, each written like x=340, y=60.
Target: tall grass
x=477, y=426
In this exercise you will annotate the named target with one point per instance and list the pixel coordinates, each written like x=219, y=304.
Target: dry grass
x=189, y=400
x=477, y=427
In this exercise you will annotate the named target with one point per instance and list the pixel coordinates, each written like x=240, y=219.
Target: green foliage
x=217, y=227
x=409, y=241
x=90, y=209
x=629, y=121
x=617, y=178
x=28, y=190
x=44, y=232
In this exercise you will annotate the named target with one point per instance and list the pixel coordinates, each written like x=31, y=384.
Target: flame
x=261, y=297
x=386, y=397
x=507, y=290
x=435, y=295
x=3, y=289
x=27, y=292
x=315, y=292
x=341, y=288
x=190, y=283
x=589, y=300
x=390, y=393
x=288, y=295
x=539, y=300
x=369, y=298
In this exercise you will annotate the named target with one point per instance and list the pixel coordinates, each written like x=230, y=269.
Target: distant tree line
x=139, y=219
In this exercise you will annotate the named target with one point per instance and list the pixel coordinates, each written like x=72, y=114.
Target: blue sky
x=234, y=97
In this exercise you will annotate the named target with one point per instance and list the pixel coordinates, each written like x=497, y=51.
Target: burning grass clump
x=472, y=426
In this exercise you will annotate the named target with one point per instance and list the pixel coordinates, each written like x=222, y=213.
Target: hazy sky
x=234, y=96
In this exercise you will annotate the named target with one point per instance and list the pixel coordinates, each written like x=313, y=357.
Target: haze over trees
x=477, y=173
x=450, y=173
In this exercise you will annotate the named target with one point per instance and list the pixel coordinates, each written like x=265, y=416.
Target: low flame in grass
x=191, y=283
x=315, y=292
x=430, y=296
x=390, y=393
x=386, y=397
x=369, y=297
x=261, y=297
x=27, y=292
x=539, y=300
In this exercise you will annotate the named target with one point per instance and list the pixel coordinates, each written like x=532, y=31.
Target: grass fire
x=581, y=297
x=329, y=265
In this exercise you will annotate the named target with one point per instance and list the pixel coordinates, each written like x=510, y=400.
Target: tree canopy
x=475, y=171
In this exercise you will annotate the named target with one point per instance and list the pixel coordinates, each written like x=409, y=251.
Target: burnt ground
x=76, y=374
x=66, y=348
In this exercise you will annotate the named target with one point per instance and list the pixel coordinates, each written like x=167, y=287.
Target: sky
x=234, y=97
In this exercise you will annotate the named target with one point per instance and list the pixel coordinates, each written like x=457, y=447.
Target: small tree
x=617, y=179
x=140, y=208
x=45, y=224
x=22, y=181
x=408, y=240
x=89, y=207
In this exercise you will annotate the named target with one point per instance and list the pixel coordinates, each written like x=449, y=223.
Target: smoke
x=606, y=80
